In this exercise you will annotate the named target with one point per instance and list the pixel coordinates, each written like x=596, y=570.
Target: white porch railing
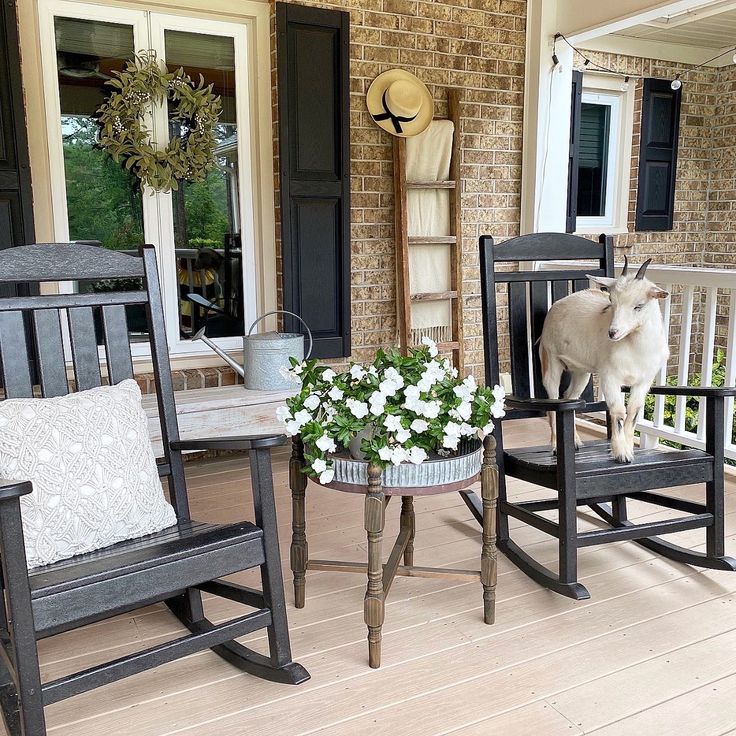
x=715, y=290
x=703, y=302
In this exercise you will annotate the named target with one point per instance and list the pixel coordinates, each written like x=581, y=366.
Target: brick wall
x=479, y=47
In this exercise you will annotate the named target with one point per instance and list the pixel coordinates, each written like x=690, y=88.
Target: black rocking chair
x=589, y=476
x=174, y=565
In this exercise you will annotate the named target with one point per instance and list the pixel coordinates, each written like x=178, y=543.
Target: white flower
x=470, y=383
x=373, y=370
x=391, y=374
x=403, y=435
x=384, y=453
x=303, y=417
x=326, y=476
x=431, y=409
x=419, y=426
x=326, y=444
x=319, y=465
x=377, y=409
x=358, y=409
x=292, y=428
x=454, y=373
x=399, y=455
x=452, y=429
x=311, y=402
x=330, y=412
x=465, y=410
x=450, y=441
x=357, y=372
x=412, y=392
x=388, y=388
x=425, y=384
x=328, y=375
x=499, y=393
x=392, y=423
x=497, y=410
x=378, y=403
x=482, y=433
x=298, y=369
x=416, y=455
x=431, y=344
x=336, y=393
x=289, y=375
x=463, y=392
x=283, y=414
x=466, y=430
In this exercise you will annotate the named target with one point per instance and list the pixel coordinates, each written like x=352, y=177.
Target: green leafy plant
x=404, y=407
x=692, y=403
x=124, y=135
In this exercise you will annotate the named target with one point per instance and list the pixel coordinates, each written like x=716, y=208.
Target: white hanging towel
x=428, y=213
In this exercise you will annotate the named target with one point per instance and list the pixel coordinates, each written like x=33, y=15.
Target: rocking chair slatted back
x=529, y=296
x=83, y=312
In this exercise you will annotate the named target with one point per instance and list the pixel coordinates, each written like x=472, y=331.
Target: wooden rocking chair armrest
x=705, y=391
x=14, y=488
x=515, y=402
x=244, y=442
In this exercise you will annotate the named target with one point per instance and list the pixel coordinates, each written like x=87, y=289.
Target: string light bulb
x=675, y=84
x=733, y=58
x=625, y=84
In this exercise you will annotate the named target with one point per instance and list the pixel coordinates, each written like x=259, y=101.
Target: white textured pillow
x=94, y=475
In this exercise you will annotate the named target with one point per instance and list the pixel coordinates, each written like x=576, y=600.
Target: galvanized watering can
x=266, y=356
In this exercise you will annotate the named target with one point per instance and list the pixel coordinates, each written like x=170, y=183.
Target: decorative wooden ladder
x=454, y=240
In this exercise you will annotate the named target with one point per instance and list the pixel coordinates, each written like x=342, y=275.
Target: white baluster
x=709, y=344
x=683, y=367
x=731, y=370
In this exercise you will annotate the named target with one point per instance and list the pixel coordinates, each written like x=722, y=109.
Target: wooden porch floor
x=653, y=652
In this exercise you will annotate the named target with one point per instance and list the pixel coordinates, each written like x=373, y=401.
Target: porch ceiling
x=712, y=27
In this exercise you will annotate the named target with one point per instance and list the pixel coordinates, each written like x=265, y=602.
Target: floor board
x=655, y=643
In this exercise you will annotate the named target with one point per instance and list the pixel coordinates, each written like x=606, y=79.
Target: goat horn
x=626, y=265
x=643, y=269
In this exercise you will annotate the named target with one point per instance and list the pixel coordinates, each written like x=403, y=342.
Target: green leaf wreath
x=123, y=133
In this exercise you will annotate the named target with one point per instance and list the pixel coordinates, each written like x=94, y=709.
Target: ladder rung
x=432, y=239
x=447, y=184
x=448, y=346
x=434, y=296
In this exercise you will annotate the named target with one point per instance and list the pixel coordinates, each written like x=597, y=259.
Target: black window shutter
x=16, y=203
x=572, y=166
x=660, y=127
x=313, y=50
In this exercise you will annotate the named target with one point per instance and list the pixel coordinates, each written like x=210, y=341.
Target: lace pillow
x=94, y=475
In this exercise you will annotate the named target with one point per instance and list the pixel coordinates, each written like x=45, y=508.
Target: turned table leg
x=407, y=522
x=298, y=553
x=488, y=560
x=373, y=607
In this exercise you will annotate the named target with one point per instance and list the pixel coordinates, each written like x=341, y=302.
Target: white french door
x=204, y=233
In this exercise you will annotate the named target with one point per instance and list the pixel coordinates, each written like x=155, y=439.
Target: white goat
x=615, y=332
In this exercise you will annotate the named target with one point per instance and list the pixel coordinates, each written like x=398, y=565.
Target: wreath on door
x=194, y=109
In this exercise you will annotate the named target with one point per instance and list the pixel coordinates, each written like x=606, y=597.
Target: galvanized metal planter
x=432, y=476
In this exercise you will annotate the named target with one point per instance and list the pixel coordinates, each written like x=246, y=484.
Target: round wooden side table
x=381, y=576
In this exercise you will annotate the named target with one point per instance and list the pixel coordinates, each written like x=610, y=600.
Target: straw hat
x=400, y=103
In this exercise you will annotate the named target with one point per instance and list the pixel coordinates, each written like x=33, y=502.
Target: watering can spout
x=199, y=335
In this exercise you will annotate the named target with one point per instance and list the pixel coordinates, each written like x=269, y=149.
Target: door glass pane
x=593, y=157
x=103, y=200
x=206, y=213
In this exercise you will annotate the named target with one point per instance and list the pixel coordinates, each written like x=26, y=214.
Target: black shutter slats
x=314, y=124
x=572, y=168
x=660, y=127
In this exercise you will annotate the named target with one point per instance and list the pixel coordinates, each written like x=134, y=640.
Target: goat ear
x=603, y=281
x=656, y=293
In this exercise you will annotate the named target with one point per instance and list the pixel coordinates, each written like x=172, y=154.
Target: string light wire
x=588, y=63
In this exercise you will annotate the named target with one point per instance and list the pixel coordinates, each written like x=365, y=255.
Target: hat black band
x=396, y=120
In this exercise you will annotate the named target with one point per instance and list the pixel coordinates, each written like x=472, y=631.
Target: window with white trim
x=602, y=140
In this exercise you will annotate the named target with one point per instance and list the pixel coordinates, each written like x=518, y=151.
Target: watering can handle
x=285, y=311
